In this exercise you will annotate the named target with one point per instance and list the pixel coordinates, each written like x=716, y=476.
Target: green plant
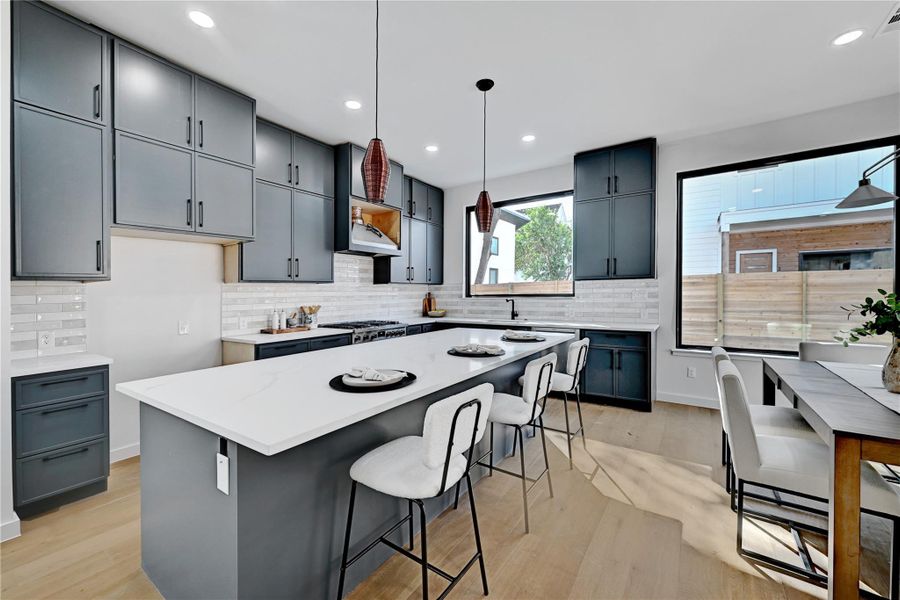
x=885, y=318
x=544, y=246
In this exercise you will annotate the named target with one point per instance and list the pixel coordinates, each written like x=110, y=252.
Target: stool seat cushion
x=561, y=382
x=397, y=469
x=511, y=410
x=781, y=420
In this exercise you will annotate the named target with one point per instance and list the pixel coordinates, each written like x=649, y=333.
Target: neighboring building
x=501, y=265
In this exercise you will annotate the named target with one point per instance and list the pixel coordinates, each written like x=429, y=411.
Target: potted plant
x=883, y=317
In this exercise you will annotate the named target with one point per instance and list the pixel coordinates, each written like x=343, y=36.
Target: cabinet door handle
x=200, y=216
x=429, y=213
x=297, y=268
x=413, y=270
x=82, y=378
x=297, y=174
x=290, y=271
x=607, y=184
x=97, y=101
x=99, y=255
x=188, y=212
x=413, y=211
x=200, y=123
x=56, y=410
x=607, y=267
x=55, y=456
x=290, y=170
x=189, y=134
x=407, y=274
x=429, y=273
x=614, y=266
x=615, y=181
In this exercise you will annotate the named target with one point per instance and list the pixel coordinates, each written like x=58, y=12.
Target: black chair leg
x=484, y=583
x=456, y=498
x=524, y=481
x=568, y=429
x=515, y=441
x=424, y=550
x=410, y=525
x=895, y=560
x=491, y=455
x=578, y=405
x=546, y=458
x=724, y=448
x=740, y=515
x=728, y=467
x=340, y=592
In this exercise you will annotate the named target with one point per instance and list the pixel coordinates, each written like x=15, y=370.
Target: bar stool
x=569, y=383
x=519, y=412
x=420, y=467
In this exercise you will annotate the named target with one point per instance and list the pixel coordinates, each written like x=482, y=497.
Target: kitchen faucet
x=513, y=313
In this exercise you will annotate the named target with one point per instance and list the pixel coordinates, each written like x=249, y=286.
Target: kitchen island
x=290, y=440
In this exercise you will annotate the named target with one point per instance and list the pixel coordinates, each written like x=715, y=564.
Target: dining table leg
x=843, y=518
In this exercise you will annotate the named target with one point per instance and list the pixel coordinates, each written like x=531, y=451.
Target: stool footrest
x=571, y=435
x=380, y=538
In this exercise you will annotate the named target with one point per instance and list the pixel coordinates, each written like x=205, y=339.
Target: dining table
x=857, y=428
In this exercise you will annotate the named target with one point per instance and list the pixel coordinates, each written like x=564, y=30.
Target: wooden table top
x=831, y=404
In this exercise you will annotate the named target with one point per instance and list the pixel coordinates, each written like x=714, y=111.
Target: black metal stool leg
x=546, y=458
x=515, y=441
x=578, y=405
x=895, y=560
x=568, y=429
x=456, y=498
x=491, y=455
x=484, y=583
x=340, y=592
x=410, y=525
x=424, y=550
x=524, y=481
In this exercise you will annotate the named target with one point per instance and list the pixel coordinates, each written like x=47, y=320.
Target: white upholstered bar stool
x=519, y=412
x=416, y=468
x=569, y=383
x=799, y=467
x=866, y=354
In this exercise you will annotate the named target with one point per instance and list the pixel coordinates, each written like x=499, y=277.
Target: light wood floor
x=643, y=515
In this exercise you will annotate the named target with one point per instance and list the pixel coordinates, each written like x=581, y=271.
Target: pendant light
x=484, y=209
x=376, y=169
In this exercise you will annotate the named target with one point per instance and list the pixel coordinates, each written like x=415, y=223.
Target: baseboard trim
x=688, y=400
x=117, y=454
x=11, y=529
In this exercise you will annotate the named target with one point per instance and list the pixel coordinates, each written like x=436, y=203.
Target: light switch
x=184, y=327
x=222, y=473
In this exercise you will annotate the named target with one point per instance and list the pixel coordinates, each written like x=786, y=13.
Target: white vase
x=890, y=374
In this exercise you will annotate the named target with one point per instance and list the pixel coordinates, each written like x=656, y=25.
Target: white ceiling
x=578, y=75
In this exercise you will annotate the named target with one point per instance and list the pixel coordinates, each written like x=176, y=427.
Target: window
x=766, y=260
x=528, y=252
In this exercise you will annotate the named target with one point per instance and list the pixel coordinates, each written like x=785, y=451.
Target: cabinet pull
x=97, y=101
x=297, y=268
x=614, y=266
x=290, y=271
x=200, y=216
x=82, y=378
x=188, y=212
x=55, y=456
x=297, y=174
x=413, y=211
x=200, y=123
x=56, y=410
x=607, y=184
x=413, y=271
x=607, y=267
x=615, y=182
x=429, y=273
x=429, y=213
x=189, y=134
x=100, y=255
x=289, y=173
x=407, y=274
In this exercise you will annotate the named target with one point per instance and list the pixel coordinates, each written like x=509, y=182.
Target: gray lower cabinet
x=434, y=255
x=226, y=121
x=61, y=181
x=592, y=239
x=60, y=438
x=277, y=349
x=435, y=212
x=153, y=98
x=59, y=63
x=154, y=184
x=273, y=153
x=618, y=369
x=268, y=257
x=632, y=236
x=313, y=238
x=224, y=196
x=313, y=165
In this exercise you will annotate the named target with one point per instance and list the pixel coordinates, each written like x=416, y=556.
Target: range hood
x=366, y=234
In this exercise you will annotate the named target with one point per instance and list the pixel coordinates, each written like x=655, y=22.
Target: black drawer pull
x=189, y=131
x=616, y=186
x=97, y=101
x=614, y=266
x=200, y=123
x=64, y=454
x=289, y=173
x=607, y=185
x=100, y=255
x=297, y=268
x=56, y=410
x=297, y=174
x=83, y=378
x=290, y=271
x=200, y=216
x=188, y=212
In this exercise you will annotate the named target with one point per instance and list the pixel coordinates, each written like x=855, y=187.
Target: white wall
x=134, y=320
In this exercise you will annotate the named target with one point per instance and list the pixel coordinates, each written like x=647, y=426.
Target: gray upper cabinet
x=152, y=97
x=61, y=189
x=434, y=255
x=418, y=208
x=399, y=265
x=268, y=257
x=154, y=184
x=273, y=153
x=313, y=238
x=226, y=121
x=634, y=168
x=632, y=247
x=224, y=195
x=59, y=63
x=593, y=175
x=418, y=245
x=592, y=239
x=313, y=166
x=356, y=181
x=435, y=212
x=394, y=195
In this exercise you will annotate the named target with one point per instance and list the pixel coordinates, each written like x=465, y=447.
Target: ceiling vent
x=892, y=22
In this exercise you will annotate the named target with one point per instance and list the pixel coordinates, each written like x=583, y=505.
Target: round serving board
x=338, y=384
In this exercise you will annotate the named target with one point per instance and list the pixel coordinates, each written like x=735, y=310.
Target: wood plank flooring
x=642, y=515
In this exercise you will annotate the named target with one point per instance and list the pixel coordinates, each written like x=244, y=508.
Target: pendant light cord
x=484, y=145
x=377, y=14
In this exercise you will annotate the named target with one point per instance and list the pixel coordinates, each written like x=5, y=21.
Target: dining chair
x=799, y=467
x=869, y=354
x=416, y=468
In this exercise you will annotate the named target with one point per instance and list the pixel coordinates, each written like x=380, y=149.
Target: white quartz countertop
x=644, y=327
x=270, y=338
x=275, y=404
x=58, y=362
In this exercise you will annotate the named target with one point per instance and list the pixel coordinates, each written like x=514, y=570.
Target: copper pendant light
x=375, y=167
x=484, y=209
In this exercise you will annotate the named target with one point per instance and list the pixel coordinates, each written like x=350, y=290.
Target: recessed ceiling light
x=528, y=138
x=353, y=104
x=202, y=19
x=847, y=38
x=431, y=148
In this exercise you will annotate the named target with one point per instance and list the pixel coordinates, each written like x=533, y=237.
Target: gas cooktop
x=369, y=331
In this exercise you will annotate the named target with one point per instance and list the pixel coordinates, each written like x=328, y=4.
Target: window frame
x=493, y=274
x=500, y=204
x=759, y=163
x=494, y=238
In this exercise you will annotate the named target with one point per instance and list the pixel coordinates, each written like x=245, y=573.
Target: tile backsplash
x=47, y=318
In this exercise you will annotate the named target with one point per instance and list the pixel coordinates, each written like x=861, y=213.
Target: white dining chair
x=796, y=466
x=867, y=354
x=416, y=468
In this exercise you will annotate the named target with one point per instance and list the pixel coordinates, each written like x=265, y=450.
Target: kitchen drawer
x=428, y=328
x=59, y=387
x=413, y=329
x=617, y=339
x=330, y=342
x=280, y=349
x=53, y=426
x=59, y=471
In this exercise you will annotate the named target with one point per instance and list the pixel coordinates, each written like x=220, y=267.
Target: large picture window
x=527, y=253
x=766, y=260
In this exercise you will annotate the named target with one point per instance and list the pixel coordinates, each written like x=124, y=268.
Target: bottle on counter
x=282, y=320
x=273, y=320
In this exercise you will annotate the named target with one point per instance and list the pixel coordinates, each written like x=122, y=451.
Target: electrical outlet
x=184, y=327
x=692, y=372
x=45, y=339
x=243, y=323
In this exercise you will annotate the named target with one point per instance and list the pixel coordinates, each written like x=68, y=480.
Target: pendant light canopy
x=484, y=209
x=376, y=169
